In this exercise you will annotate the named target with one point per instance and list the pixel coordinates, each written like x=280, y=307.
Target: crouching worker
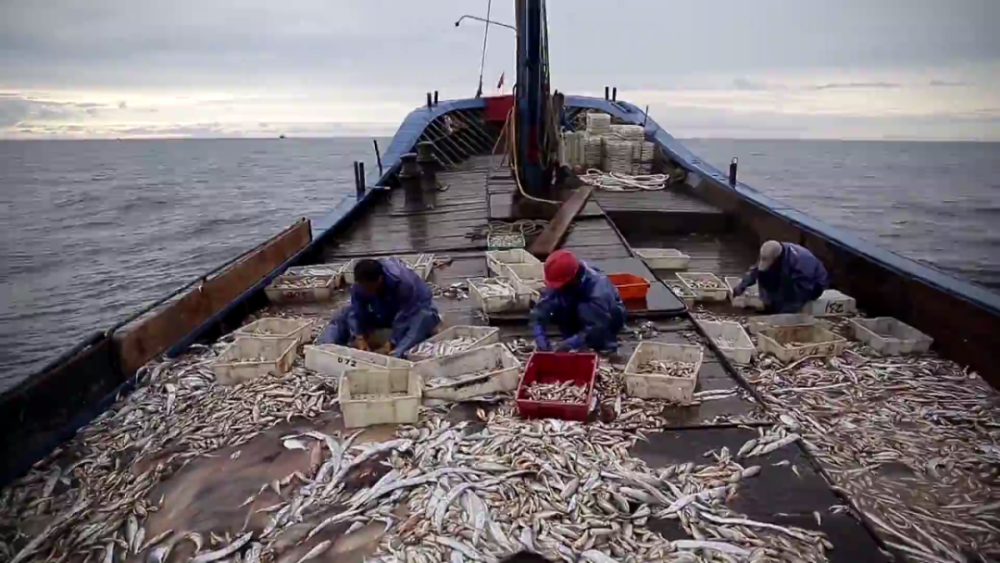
x=386, y=295
x=582, y=302
x=789, y=276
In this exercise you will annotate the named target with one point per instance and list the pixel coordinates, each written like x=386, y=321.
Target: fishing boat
x=457, y=175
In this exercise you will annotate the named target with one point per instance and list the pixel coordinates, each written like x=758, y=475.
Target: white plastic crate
x=663, y=258
x=750, y=298
x=741, y=350
x=654, y=386
x=495, y=259
x=890, y=337
x=473, y=373
x=481, y=335
x=682, y=292
x=801, y=341
x=705, y=294
x=266, y=356
x=335, y=360
x=529, y=275
x=321, y=288
x=832, y=304
x=422, y=264
x=332, y=269
x=757, y=324
x=520, y=297
x=276, y=328
x=379, y=396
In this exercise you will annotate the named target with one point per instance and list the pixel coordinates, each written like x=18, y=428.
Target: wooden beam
x=552, y=236
x=139, y=342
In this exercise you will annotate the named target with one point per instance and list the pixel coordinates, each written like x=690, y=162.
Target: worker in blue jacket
x=386, y=294
x=582, y=302
x=789, y=276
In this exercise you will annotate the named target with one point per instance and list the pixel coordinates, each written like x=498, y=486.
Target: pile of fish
x=704, y=283
x=565, y=392
x=506, y=241
x=301, y=282
x=914, y=442
x=672, y=368
x=457, y=290
x=443, y=347
x=93, y=493
x=571, y=492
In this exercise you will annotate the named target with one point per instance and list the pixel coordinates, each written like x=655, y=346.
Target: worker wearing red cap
x=582, y=302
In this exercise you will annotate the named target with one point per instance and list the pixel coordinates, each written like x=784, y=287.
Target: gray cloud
x=947, y=83
x=858, y=86
x=367, y=51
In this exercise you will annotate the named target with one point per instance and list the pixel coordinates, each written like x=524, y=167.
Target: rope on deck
x=614, y=182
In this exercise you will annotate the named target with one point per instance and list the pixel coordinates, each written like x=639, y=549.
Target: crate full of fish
x=332, y=269
x=473, y=373
x=500, y=295
x=289, y=288
x=750, y=298
x=558, y=385
x=453, y=340
x=335, y=360
x=276, y=328
x=764, y=322
x=505, y=241
x=380, y=396
x=732, y=340
x=422, y=264
x=497, y=259
x=832, y=303
x=890, y=337
x=706, y=286
x=792, y=343
x=658, y=370
x=663, y=258
x=682, y=292
x=250, y=358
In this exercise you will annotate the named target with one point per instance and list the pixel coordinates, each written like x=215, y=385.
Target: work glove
x=739, y=290
x=361, y=343
x=572, y=343
x=542, y=343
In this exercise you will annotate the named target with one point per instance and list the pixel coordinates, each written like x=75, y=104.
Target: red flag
x=500, y=84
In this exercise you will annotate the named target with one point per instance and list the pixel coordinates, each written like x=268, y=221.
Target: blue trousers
x=571, y=322
x=418, y=328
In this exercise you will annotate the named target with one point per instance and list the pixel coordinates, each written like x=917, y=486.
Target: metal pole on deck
x=357, y=183
x=378, y=158
x=361, y=179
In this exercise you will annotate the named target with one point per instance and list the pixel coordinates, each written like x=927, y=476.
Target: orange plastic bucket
x=630, y=286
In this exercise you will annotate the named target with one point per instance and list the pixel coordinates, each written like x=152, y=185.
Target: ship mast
x=534, y=134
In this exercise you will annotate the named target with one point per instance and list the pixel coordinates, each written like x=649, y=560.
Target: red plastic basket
x=630, y=286
x=556, y=367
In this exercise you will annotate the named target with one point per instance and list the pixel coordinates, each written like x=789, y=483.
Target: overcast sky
x=856, y=69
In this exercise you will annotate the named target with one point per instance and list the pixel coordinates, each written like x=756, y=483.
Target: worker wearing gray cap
x=789, y=276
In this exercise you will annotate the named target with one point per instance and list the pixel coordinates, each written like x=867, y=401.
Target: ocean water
x=92, y=230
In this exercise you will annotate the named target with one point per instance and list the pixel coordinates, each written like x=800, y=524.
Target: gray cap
x=769, y=252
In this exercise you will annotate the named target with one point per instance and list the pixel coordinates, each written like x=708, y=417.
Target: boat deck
x=444, y=224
